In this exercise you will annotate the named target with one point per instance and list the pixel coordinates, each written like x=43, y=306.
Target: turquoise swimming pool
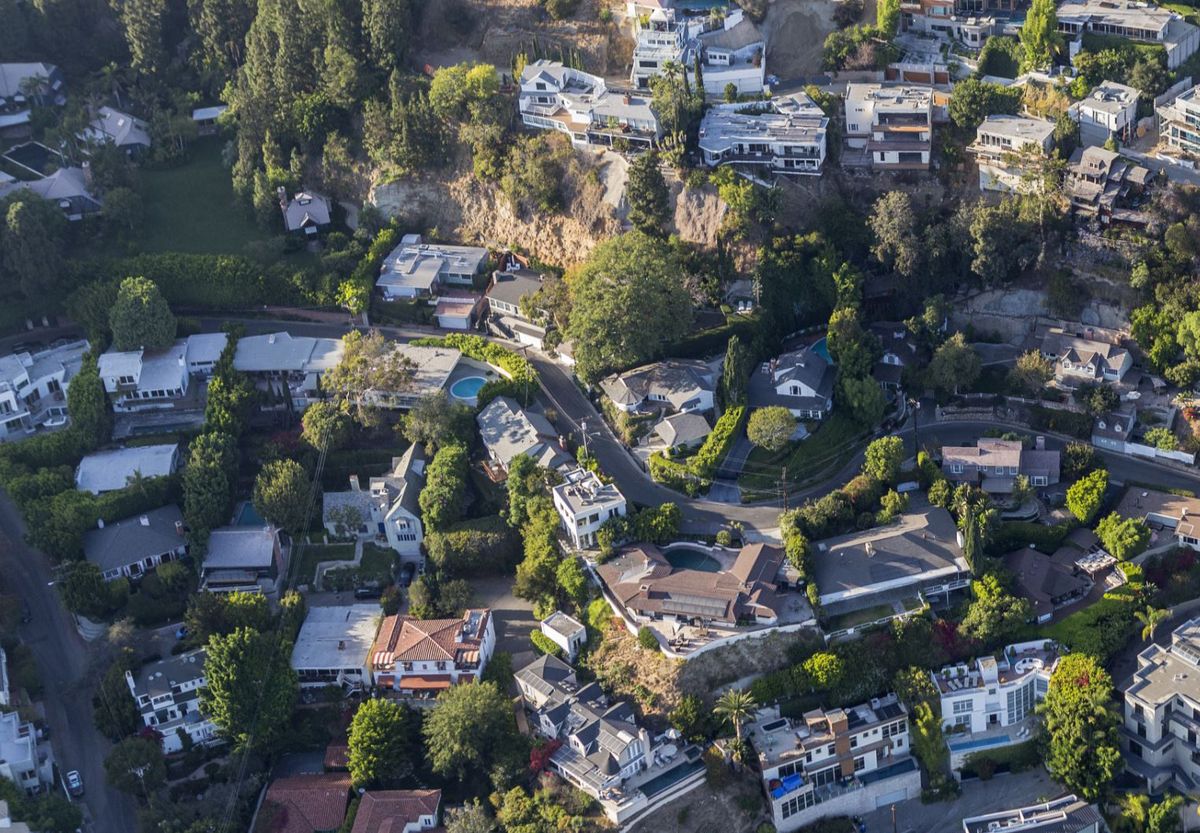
x=821, y=348
x=248, y=516
x=467, y=388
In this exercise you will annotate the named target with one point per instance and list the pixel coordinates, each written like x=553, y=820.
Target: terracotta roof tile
x=305, y=804
x=405, y=639
x=389, y=811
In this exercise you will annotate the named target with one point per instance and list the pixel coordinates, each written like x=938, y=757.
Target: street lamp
x=914, y=405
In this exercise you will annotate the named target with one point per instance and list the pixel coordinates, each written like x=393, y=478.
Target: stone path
x=324, y=566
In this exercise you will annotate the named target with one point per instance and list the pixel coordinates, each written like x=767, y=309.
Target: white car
x=74, y=783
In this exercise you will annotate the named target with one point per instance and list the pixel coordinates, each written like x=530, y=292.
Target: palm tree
x=736, y=705
x=1151, y=618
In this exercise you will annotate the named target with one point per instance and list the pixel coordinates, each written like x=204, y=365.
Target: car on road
x=74, y=783
x=772, y=80
x=181, y=632
x=368, y=592
x=407, y=573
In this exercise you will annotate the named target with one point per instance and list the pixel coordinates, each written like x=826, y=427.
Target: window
x=860, y=764
x=788, y=769
x=956, y=468
x=793, y=806
x=854, y=741
x=962, y=706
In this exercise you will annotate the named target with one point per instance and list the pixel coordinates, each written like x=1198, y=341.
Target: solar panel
x=693, y=605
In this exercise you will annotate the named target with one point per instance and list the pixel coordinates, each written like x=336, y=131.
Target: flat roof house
x=122, y=130
x=1062, y=815
x=584, y=503
x=387, y=507
x=239, y=557
x=167, y=694
x=287, y=364
x=994, y=464
x=507, y=430
x=417, y=270
x=398, y=811
x=1078, y=359
x=565, y=631
x=307, y=213
x=999, y=139
x=334, y=646
x=1110, y=109
x=107, y=471
x=142, y=379
x=135, y=546
x=733, y=54
x=1098, y=181
x=431, y=368
x=557, y=97
x=893, y=123
x=1142, y=22
x=24, y=761
x=1179, y=121
x=786, y=137
x=33, y=388
x=660, y=37
x=678, y=384
x=423, y=657
x=801, y=381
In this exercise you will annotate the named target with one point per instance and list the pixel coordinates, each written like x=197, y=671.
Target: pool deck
x=469, y=369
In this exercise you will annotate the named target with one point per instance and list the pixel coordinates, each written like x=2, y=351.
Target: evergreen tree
x=1081, y=727
x=386, y=25
x=1039, y=36
x=648, y=195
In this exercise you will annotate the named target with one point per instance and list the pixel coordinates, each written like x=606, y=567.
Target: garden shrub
x=544, y=644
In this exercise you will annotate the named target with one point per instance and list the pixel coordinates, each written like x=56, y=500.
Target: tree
x=994, y=614
x=31, y=244
x=912, y=685
x=771, y=427
x=973, y=100
x=955, y=364
x=469, y=818
x=1079, y=459
x=1031, y=372
x=1160, y=437
x=690, y=718
x=887, y=17
x=648, y=195
x=380, y=744
x=735, y=705
x=114, y=712
x=326, y=425
x=371, y=372
x=627, y=303
x=1081, y=727
x=282, y=494
x=824, y=670
x=441, y=500
x=928, y=741
x=675, y=104
x=852, y=348
x=1039, y=36
x=1085, y=495
x=136, y=766
x=251, y=688
x=140, y=318
x=85, y=591
x=436, y=420
x=646, y=638
x=87, y=404
x=894, y=223
x=573, y=582
x=883, y=458
x=735, y=371
x=1151, y=618
x=386, y=25
x=864, y=399
x=470, y=731
x=1123, y=538
x=208, y=481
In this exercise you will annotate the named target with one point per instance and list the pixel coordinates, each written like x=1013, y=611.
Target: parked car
x=75, y=783
x=407, y=573
x=368, y=593
x=181, y=632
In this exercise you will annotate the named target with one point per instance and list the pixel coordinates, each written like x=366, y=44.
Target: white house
x=1000, y=142
x=801, y=381
x=1111, y=107
x=1179, y=121
x=584, y=503
x=1068, y=814
x=431, y=368
x=786, y=136
x=130, y=134
x=135, y=546
x=288, y=365
x=334, y=646
x=507, y=430
x=893, y=123
x=107, y=471
x=734, y=54
x=138, y=380
x=1136, y=21
x=566, y=632
x=423, y=657
x=660, y=37
x=680, y=385
x=557, y=97
x=418, y=270
x=203, y=351
x=24, y=761
x=1079, y=359
x=33, y=388
x=167, y=694
x=388, y=507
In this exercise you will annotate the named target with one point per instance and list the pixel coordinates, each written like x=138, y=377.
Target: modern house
x=1001, y=146
x=33, y=388
x=1078, y=359
x=584, y=503
x=398, y=811
x=679, y=385
x=990, y=700
x=23, y=760
x=649, y=587
x=1047, y=582
x=458, y=310
x=894, y=124
x=566, y=632
x=112, y=127
x=23, y=86
x=994, y=464
x=135, y=546
x=1170, y=517
x=1100, y=182
x=1179, y=122
x=801, y=381
x=307, y=212
x=735, y=53
x=245, y=558
x=1068, y=814
x=307, y=803
x=167, y=694
x=512, y=287
x=786, y=136
x=1135, y=21
x=287, y=365
x=138, y=380
x=107, y=471
x=1162, y=704
x=835, y=762
x=1109, y=110
x=507, y=430
x=431, y=368
x=423, y=657
x=916, y=556
x=557, y=97
x=388, y=507
x=415, y=269
x=203, y=352
x=334, y=646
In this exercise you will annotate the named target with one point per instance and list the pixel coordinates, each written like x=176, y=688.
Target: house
x=894, y=124
x=507, y=430
x=1062, y=815
x=557, y=97
x=334, y=646
x=10, y=826
x=24, y=85
x=203, y=351
x=510, y=288
x=994, y=464
x=388, y=507
x=991, y=694
x=786, y=136
x=899, y=350
x=1112, y=430
x=418, y=270
x=644, y=581
x=1109, y=110
x=566, y=632
x=1158, y=737
x=584, y=504
x=288, y=365
x=308, y=803
x=1078, y=359
x=680, y=385
x=422, y=657
x=660, y=38
x=834, y=762
x=23, y=760
x=167, y=694
x=33, y=388
x=458, y=310
x=139, y=380
x=135, y=546
x=206, y=119
x=1135, y=21
x=970, y=23
x=1170, y=517
x=107, y=471
x=431, y=368
x=398, y=811
x=1047, y=582
x=307, y=213
x=1179, y=121
x=1000, y=147
x=112, y=127
x=733, y=54
x=244, y=558
x=68, y=187
x=1099, y=182
x=917, y=556
x=686, y=430
x=801, y=381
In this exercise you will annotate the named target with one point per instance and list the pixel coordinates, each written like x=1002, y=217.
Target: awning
x=433, y=682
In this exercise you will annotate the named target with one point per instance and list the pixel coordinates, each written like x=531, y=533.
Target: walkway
x=323, y=566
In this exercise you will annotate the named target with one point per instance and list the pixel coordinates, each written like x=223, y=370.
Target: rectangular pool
x=664, y=782
x=982, y=743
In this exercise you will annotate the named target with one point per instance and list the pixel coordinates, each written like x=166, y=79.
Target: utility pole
x=893, y=818
x=783, y=490
x=583, y=431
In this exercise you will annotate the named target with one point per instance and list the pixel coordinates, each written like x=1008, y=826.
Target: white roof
x=117, y=363
x=107, y=471
x=1019, y=128
x=418, y=265
x=119, y=128
x=208, y=113
x=1110, y=97
x=11, y=76
x=283, y=352
x=336, y=637
x=203, y=348
x=433, y=365
x=164, y=369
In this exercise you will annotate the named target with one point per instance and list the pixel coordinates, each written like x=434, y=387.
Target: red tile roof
x=305, y=804
x=404, y=639
x=388, y=811
x=337, y=755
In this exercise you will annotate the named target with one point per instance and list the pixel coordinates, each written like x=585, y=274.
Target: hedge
x=695, y=474
x=481, y=546
x=544, y=644
x=714, y=340
x=1016, y=758
x=522, y=377
x=1013, y=535
x=1064, y=422
x=1100, y=630
x=200, y=280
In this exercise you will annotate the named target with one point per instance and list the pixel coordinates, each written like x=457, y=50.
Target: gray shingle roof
x=130, y=540
x=241, y=548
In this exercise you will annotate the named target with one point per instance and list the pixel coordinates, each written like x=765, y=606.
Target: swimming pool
x=467, y=388
x=692, y=558
x=661, y=783
x=248, y=516
x=982, y=743
x=821, y=348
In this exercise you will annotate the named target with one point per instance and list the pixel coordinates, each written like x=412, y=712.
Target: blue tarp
x=787, y=785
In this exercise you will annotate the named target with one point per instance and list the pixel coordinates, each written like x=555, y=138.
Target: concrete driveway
x=1002, y=792
x=514, y=617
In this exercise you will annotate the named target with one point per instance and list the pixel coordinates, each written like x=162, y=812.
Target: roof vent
x=144, y=520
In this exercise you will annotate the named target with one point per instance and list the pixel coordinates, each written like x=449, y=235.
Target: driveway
x=1002, y=792
x=513, y=617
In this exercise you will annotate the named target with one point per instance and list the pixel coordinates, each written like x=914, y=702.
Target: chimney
x=144, y=520
x=355, y=486
x=281, y=192
x=271, y=338
x=341, y=644
x=100, y=523
x=179, y=528
x=1040, y=443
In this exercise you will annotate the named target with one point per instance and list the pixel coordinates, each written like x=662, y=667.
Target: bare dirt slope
x=796, y=32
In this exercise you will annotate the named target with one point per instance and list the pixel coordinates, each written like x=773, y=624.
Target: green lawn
x=833, y=442
x=314, y=554
x=377, y=563
x=1189, y=13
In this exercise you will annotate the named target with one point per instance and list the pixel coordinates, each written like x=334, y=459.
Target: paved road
x=69, y=669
